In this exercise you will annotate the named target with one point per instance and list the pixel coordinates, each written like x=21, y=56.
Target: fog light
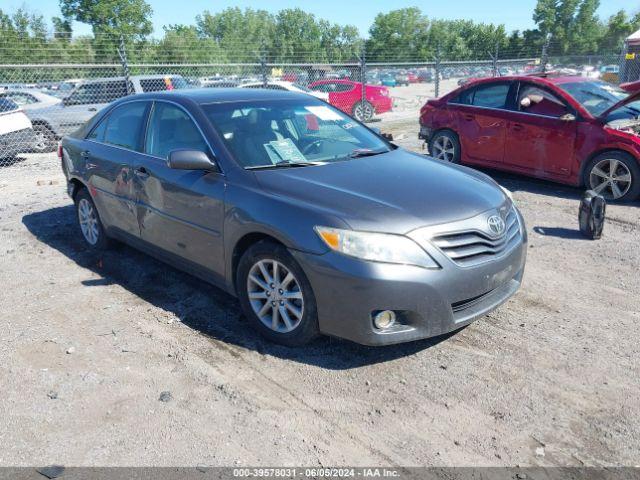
x=385, y=319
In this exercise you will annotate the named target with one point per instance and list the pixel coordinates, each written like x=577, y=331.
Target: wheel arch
x=597, y=153
x=242, y=245
x=75, y=185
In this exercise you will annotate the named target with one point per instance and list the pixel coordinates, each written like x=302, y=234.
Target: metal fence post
x=545, y=53
x=494, y=60
x=437, y=74
x=122, y=53
x=622, y=75
x=263, y=65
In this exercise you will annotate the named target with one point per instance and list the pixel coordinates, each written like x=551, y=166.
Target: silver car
x=52, y=122
x=316, y=223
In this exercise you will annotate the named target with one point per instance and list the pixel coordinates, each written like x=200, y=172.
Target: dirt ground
x=88, y=345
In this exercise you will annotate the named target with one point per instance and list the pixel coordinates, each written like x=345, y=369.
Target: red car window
x=538, y=101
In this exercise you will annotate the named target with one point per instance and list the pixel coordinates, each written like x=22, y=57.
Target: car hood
x=395, y=192
x=631, y=98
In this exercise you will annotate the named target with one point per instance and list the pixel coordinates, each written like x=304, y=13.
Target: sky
x=514, y=14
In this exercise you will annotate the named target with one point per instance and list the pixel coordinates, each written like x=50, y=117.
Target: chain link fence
x=41, y=102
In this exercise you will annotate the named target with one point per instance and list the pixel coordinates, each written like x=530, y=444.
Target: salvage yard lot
x=89, y=344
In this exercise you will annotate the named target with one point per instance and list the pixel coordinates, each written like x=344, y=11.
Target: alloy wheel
x=88, y=221
x=275, y=295
x=363, y=112
x=610, y=178
x=444, y=149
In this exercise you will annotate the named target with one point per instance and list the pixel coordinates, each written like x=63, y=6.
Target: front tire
x=276, y=296
x=363, y=111
x=614, y=175
x=445, y=146
x=91, y=228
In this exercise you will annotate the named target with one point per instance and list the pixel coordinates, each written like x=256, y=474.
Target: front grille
x=471, y=247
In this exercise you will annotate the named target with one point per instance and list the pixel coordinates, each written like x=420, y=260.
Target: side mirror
x=191, y=160
x=568, y=117
x=388, y=136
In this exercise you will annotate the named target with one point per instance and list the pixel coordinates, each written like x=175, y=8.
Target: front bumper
x=427, y=303
x=424, y=133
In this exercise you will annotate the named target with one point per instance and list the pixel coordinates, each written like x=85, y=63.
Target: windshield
x=597, y=97
x=264, y=134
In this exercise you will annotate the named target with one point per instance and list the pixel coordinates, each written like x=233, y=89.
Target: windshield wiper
x=284, y=165
x=365, y=152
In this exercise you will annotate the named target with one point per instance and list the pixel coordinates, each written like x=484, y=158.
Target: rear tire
x=276, y=296
x=614, y=175
x=91, y=228
x=444, y=145
x=363, y=111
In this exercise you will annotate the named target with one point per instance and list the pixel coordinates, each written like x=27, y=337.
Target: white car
x=282, y=85
x=16, y=132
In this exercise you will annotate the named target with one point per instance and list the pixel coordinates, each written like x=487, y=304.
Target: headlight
x=376, y=247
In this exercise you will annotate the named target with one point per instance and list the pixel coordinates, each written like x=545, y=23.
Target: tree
x=242, y=33
x=62, y=28
x=400, y=34
x=130, y=18
x=617, y=29
x=183, y=44
x=587, y=29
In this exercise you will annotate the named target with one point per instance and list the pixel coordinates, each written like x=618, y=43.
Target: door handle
x=141, y=173
x=468, y=117
x=518, y=127
x=93, y=109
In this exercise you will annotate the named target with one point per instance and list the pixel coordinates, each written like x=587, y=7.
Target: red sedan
x=572, y=130
x=347, y=96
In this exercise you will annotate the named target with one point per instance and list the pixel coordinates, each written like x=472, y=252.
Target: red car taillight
x=60, y=150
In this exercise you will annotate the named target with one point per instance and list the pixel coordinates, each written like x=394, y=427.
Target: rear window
x=7, y=105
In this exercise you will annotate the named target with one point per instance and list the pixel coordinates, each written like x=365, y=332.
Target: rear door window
x=125, y=126
x=491, y=96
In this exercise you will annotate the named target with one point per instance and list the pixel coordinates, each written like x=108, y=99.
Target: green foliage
x=292, y=35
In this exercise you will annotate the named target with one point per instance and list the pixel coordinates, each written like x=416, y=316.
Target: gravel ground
x=90, y=345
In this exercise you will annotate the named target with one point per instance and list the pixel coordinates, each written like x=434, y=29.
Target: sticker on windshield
x=284, y=151
x=324, y=113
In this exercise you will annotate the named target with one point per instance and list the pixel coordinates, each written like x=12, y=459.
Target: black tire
x=306, y=329
x=44, y=139
x=363, y=111
x=625, y=165
x=445, y=136
x=102, y=242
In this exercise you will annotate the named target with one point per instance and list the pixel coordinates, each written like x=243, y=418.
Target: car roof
x=545, y=79
x=205, y=96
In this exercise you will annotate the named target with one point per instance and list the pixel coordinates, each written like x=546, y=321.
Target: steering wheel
x=313, y=145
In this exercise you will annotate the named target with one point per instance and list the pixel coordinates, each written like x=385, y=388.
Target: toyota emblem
x=496, y=224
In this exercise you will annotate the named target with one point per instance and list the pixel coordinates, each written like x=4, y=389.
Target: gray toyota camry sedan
x=315, y=222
